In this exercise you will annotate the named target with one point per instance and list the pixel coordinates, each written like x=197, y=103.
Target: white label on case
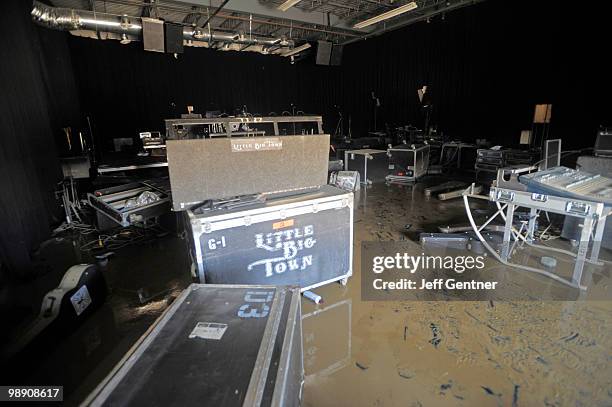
x=80, y=300
x=208, y=330
x=256, y=144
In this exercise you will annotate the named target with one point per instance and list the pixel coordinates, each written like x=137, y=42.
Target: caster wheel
x=344, y=281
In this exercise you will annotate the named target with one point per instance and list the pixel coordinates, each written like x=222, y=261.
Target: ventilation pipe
x=65, y=19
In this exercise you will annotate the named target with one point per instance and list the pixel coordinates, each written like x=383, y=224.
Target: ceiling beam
x=294, y=13
x=215, y=13
x=434, y=8
x=328, y=30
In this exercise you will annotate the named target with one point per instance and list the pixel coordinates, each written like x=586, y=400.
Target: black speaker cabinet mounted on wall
x=174, y=38
x=324, y=52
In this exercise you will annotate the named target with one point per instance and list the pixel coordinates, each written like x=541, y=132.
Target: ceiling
x=308, y=20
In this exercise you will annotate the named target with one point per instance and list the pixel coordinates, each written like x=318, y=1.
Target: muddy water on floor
x=449, y=353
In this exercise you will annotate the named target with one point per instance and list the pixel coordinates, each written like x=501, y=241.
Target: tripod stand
x=339, y=132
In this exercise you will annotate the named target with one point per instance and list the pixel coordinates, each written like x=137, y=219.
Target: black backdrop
x=37, y=98
x=486, y=66
x=127, y=90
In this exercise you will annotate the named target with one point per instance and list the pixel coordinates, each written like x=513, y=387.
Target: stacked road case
x=257, y=210
x=407, y=163
x=403, y=163
x=300, y=239
x=371, y=164
x=216, y=345
x=261, y=227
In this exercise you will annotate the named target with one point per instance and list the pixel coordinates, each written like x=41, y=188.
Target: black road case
x=216, y=345
x=490, y=160
x=372, y=165
x=302, y=239
x=407, y=163
x=128, y=204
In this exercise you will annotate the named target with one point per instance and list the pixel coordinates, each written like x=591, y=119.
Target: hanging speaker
x=324, y=51
x=336, y=55
x=152, y=34
x=174, y=38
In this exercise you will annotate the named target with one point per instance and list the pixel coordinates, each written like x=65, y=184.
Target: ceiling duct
x=65, y=19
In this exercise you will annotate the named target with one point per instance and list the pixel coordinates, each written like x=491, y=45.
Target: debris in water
x=490, y=392
x=360, y=366
x=407, y=226
x=405, y=332
x=491, y=328
x=478, y=320
x=541, y=360
x=436, y=339
x=569, y=337
x=405, y=373
x=515, y=395
x=500, y=339
x=446, y=386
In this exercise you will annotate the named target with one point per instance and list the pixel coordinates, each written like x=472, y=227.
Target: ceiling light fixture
x=389, y=14
x=287, y=5
x=124, y=39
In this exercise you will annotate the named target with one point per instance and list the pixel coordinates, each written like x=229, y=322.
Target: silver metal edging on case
x=269, y=213
x=259, y=377
x=278, y=399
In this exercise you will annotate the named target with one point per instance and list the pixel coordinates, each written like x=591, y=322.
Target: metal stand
x=592, y=213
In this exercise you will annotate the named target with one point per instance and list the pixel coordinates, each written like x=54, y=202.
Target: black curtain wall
x=126, y=90
x=486, y=67
x=38, y=98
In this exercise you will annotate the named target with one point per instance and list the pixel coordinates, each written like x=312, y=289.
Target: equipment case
x=216, y=345
x=301, y=239
x=371, y=164
x=407, y=163
x=221, y=168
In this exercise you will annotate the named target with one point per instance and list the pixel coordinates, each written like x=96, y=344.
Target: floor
x=358, y=353
x=422, y=353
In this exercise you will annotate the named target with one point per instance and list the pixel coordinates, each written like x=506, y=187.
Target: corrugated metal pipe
x=65, y=19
